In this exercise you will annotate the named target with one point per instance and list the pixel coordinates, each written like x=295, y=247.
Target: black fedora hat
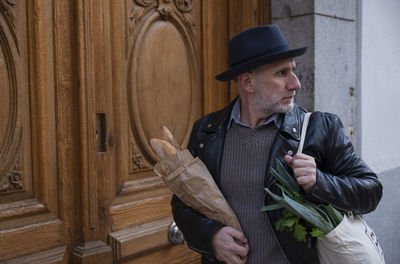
x=254, y=47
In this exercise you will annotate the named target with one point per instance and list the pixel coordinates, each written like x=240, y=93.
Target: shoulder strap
x=303, y=132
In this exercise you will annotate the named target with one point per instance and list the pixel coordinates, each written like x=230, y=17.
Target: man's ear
x=247, y=82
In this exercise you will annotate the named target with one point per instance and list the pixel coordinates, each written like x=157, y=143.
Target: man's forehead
x=290, y=62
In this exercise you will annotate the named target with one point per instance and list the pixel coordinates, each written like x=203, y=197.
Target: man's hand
x=230, y=246
x=304, y=169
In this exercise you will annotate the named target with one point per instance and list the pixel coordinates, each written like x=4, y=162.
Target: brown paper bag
x=190, y=180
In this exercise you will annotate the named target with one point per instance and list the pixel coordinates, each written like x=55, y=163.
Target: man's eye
x=282, y=73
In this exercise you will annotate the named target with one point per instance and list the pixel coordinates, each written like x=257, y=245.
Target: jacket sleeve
x=197, y=229
x=345, y=180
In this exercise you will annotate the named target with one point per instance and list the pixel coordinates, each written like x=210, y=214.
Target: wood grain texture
x=52, y=256
x=29, y=239
x=21, y=208
x=215, y=31
x=65, y=85
x=130, y=242
x=139, y=212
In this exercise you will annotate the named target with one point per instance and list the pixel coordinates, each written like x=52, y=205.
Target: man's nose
x=294, y=83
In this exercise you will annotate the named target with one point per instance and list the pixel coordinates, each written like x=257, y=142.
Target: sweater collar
x=235, y=117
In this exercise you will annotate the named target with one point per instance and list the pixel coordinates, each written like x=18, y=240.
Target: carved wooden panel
x=162, y=83
x=161, y=89
x=15, y=172
x=159, y=52
x=30, y=224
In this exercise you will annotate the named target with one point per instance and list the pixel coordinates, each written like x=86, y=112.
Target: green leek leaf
x=307, y=214
x=271, y=207
x=334, y=214
x=294, y=186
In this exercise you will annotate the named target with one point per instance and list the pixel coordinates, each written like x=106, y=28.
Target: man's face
x=275, y=87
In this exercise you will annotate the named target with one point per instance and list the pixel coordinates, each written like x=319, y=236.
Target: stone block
x=342, y=9
x=335, y=68
x=290, y=8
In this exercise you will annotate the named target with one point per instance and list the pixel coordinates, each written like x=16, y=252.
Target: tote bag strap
x=303, y=132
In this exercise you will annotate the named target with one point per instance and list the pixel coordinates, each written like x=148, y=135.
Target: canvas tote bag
x=352, y=241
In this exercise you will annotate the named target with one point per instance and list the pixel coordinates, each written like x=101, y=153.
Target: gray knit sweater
x=243, y=171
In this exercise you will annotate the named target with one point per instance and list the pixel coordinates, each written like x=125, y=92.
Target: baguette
x=170, y=138
x=162, y=148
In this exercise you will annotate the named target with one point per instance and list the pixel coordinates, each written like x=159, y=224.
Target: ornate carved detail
x=136, y=13
x=137, y=161
x=166, y=12
x=183, y=8
x=140, y=9
x=184, y=5
x=7, y=8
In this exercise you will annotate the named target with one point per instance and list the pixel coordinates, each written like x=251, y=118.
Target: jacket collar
x=220, y=120
x=291, y=123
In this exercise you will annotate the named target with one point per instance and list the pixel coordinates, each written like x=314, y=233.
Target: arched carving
x=164, y=22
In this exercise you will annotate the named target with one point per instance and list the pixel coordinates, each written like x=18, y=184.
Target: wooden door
x=34, y=210
x=84, y=86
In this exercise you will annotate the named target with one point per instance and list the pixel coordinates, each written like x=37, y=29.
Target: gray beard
x=278, y=108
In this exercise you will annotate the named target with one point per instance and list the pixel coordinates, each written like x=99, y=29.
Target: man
x=240, y=144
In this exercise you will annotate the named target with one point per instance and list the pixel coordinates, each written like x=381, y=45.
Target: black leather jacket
x=343, y=179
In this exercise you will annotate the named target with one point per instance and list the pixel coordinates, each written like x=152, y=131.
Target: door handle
x=175, y=235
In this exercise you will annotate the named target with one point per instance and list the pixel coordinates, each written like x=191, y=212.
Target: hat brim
x=257, y=62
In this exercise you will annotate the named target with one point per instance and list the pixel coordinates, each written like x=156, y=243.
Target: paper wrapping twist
x=189, y=179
